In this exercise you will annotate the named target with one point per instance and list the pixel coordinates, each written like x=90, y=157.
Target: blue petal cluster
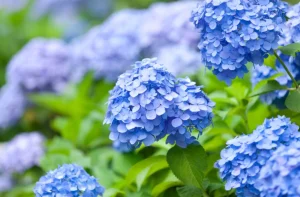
x=12, y=6
x=263, y=72
x=123, y=147
x=184, y=59
x=168, y=24
x=234, y=32
x=12, y=105
x=244, y=156
x=149, y=103
x=68, y=180
x=280, y=176
x=6, y=182
x=292, y=28
x=91, y=52
x=48, y=68
x=22, y=152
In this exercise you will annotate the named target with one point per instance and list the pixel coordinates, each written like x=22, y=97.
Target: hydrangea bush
x=242, y=159
x=68, y=180
x=233, y=33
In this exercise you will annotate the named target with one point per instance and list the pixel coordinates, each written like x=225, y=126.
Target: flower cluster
x=234, y=32
x=167, y=28
x=292, y=28
x=6, y=182
x=22, y=152
x=47, y=69
x=91, y=52
x=68, y=180
x=280, y=176
x=149, y=103
x=12, y=105
x=244, y=156
x=12, y=6
x=263, y=72
x=184, y=59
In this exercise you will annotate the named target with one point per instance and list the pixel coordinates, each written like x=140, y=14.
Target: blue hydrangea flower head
x=280, y=176
x=12, y=6
x=47, y=69
x=168, y=24
x=192, y=110
x=12, y=105
x=138, y=104
x=68, y=180
x=26, y=148
x=91, y=53
x=123, y=147
x=184, y=59
x=6, y=182
x=263, y=72
x=244, y=156
x=234, y=32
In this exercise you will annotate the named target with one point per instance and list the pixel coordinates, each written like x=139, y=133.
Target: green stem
x=286, y=69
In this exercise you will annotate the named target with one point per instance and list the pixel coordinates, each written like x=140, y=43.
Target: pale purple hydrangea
x=107, y=50
x=149, y=103
x=234, y=32
x=167, y=24
x=42, y=65
x=12, y=6
x=280, y=176
x=244, y=156
x=68, y=180
x=22, y=152
x=179, y=59
x=6, y=182
x=12, y=105
x=263, y=72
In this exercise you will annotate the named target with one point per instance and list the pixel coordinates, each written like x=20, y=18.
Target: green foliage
x=290, y=49
x=270, y=86
x=293, y=101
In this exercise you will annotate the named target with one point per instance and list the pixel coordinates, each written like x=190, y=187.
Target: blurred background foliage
x=73, y=121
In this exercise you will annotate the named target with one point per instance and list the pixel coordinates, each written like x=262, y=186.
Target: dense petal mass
x=244, y=156
x=149, y=103
x=234, y=32
x=42, y=65
x=91, y=52
x=68, y=180
x=292, y=28
x=263, y=72
x=280, y=176
x=22, y=152
x=12, y=105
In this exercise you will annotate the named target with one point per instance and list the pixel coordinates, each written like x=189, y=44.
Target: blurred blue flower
x=292, y=29
x=234, y=32
x=149, y=103
x=184, y=59
x=123, y=147
x=6, y=182
x=42, y=65
x=242, y=159
x=168, y=24
x=137, y=107
x=280, y=176
x=12, y=6
x=22, y=152
x=12, y=105
x=263, y=72
x=192, y=110
x=68, y=180
x=107, y=50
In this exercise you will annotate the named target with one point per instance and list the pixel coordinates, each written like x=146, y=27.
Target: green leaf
x=290, y=49
x=271, y=86
x=169, y=182
x=188, y=164
x=189, y=191
x=140, y=166
x=112, y=192
x=270, y=61
x=292, y=102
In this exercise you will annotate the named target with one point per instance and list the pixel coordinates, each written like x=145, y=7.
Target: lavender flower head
x=108, y=50
x=42, y=65
x=22, y=152
x=242, y=159
x=6, y=181
x=168, y=24
x=12, y=105
x=68, y=180
x=12, y=6
x=280, y=176
x=149, y=103
x=263, y=72
x=179, y=59
x=234, y=32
